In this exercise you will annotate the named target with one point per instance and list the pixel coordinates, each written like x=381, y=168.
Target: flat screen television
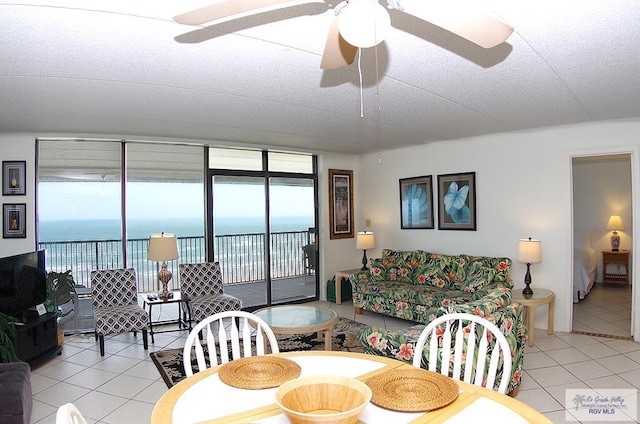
x=23, y=282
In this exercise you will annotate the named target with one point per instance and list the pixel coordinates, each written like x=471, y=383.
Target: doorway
x=602, y=186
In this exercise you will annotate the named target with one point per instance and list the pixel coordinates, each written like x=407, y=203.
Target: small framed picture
x=14, y=220
x=416, y=203
x=457, y=201
x=14, y=176
x=340, y=204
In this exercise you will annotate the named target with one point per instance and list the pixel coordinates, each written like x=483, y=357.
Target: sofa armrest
x=360, y=277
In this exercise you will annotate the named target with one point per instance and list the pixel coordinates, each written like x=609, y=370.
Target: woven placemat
x=412, y=390
x=258, y=372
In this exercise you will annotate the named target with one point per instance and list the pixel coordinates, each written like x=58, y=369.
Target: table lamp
x=615, y=224
x=529, y=252
x=365, y=241
x=162, y=248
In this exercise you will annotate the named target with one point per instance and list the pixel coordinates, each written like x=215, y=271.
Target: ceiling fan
x=364, y=23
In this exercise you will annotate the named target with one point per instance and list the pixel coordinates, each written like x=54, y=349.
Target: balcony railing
x=241, y=256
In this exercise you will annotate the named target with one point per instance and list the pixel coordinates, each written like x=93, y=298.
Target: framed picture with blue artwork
x=416, y=203
x=457, y=201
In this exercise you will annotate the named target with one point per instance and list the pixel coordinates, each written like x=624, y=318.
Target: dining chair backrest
x=69, y=414
x=462, y=341
x=234, y=328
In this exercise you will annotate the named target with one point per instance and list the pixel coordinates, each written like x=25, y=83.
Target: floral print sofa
x=420, y=286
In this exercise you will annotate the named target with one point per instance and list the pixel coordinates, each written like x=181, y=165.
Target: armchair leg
x=101, y=340
x=145, y=341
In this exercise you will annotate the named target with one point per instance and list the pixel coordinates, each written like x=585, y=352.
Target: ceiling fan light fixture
x=364, y=23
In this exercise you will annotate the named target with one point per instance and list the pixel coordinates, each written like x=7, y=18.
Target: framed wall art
x=416, y=203
x=457, y=201
x=341, y=203
x=14, y=178
x=14, y=220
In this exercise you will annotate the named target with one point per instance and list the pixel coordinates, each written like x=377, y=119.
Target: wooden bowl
x=323, y=399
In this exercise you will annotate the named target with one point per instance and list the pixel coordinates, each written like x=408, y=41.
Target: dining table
x=205, y=398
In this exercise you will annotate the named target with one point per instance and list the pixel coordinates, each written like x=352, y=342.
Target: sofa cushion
x=15, y=393
x=482, y=271
x=397, y=265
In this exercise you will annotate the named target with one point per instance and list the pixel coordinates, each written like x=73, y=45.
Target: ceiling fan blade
x=337, y=52
x=462, y=18
x=222, y=10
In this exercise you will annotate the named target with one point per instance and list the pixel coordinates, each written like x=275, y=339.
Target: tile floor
x=606, y=310
x=123, y=386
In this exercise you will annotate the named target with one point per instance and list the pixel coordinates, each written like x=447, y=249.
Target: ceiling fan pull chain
x=379, y=128
x=360, y=73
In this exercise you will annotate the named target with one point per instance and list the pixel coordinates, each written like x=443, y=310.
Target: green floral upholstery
x=420, y=286
x=413, y=285
x=400, y=344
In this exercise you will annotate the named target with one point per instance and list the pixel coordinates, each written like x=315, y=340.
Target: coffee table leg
x=328, y=338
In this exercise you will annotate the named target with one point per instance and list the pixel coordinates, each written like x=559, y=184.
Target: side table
x=618, y=259
x=539, y=297
x=183, y=321
x=339, y=276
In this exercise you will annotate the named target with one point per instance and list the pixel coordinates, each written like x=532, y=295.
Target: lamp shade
x=162, y=247
x=529, y=251
x=365, y=240
x=615, y=223
x=364, y=23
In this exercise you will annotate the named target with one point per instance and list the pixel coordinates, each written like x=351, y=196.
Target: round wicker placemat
x=412, y=390
x=258, y=372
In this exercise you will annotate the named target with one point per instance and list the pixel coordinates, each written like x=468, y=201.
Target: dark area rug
x=345, y=333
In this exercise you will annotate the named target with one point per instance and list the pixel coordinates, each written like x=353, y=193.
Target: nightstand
x=615, y=267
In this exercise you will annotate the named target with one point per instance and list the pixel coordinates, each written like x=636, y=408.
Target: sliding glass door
x=239, y=225
x=293, y=256
x=263, y=214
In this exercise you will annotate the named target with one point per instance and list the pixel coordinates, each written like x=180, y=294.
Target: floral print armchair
x=400, y=344
x=420, y=286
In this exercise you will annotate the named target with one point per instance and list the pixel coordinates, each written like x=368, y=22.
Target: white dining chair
x=69, y=414
x=449, y=349
x=220, y=330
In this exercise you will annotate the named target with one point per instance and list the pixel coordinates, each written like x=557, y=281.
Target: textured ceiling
x=126, y=69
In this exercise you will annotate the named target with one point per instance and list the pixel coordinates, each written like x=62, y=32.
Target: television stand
x=36, y=338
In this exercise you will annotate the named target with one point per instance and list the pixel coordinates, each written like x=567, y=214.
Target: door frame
x=634, y=153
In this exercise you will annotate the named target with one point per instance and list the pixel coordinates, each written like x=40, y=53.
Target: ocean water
x=104, y=229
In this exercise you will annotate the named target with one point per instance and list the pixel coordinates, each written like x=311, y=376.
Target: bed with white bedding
x=584, y=266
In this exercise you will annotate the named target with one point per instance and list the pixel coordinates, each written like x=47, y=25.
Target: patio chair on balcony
x=201, y=283
x=114, y=294
x=309, y=258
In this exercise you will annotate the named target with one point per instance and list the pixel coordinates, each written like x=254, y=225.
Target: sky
x=101, y=200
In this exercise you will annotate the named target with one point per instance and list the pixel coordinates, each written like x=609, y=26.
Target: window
x=85, y=211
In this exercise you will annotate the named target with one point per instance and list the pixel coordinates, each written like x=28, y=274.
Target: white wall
x=601, y=188
x=523, y=184
x=339, y=254
x=20, y=147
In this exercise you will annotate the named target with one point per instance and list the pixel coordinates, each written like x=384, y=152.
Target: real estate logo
x=601, y=405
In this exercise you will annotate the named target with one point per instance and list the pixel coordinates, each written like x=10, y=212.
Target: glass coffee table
x=300, y=319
